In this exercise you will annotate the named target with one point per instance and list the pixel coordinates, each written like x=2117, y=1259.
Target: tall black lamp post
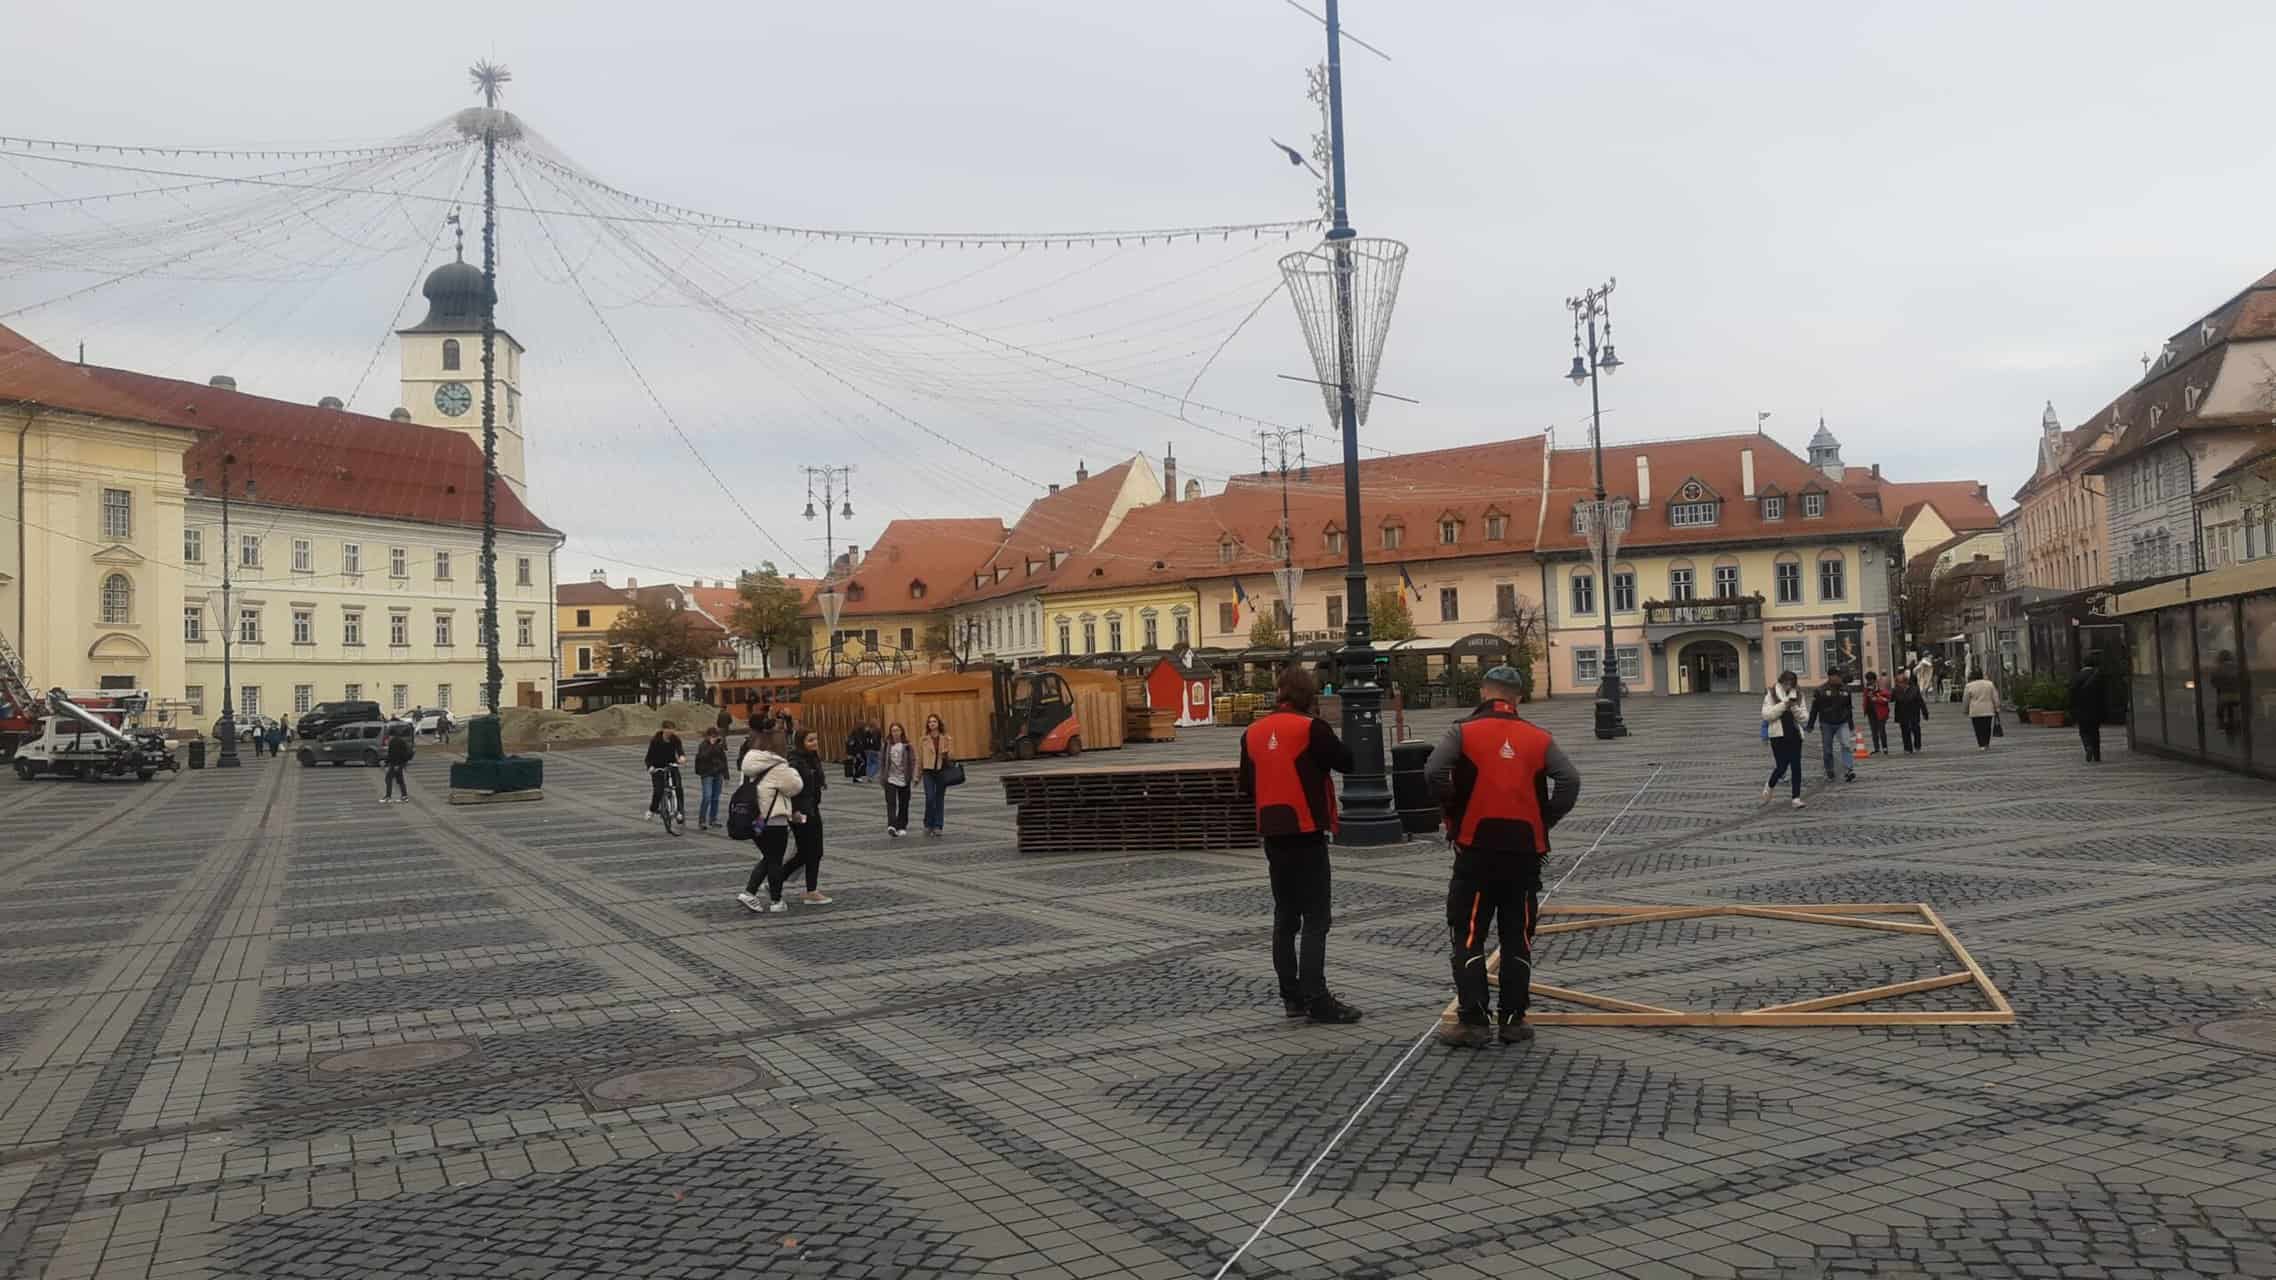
x=228, y=757
x=1588, y=361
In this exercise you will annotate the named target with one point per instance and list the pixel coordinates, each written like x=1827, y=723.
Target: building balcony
x=1702, y=613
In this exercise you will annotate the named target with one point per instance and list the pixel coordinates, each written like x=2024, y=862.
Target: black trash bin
x=197, y=753
x=1418, y=813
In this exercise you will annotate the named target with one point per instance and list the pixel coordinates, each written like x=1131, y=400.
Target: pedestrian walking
x=1835, y=719
x=760, y=812
x=805, y=822
x=1286, y=758
x=1878, y=701
x=898, y=769
x=665, y=756
x=398, y=755
x=852, y=759
x=936, y=751
x=1504, y=784
x=2086, y=706
x=1910, y=708
x=1782, y=725
x=1924, y=676
x=872, y=745
x=1982, y=697
x=711, y=775
x=726, y=720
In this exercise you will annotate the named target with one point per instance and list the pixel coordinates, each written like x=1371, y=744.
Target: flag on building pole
x=1409, y=583
x=1240, y=602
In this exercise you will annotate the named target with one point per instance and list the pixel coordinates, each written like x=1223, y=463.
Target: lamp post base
x=1609, y=721
x=227, y=759
x=1368, y=815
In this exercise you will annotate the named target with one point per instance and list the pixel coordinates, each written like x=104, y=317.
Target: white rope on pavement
x=1412, y=1049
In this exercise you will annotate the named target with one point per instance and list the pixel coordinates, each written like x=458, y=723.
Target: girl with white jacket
x=776, y=783
x=1781, y=718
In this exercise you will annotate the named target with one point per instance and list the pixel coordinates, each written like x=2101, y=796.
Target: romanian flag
x=1240, y=601
x=1409, y=583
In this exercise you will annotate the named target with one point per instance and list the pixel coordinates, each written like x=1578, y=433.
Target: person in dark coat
x=2086, y=706
x=1832, y=714
x=1910, y=707
x=1286, y=759
x=398, y=755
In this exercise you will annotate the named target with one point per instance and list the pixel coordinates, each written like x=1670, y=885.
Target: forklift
x=1034, y=714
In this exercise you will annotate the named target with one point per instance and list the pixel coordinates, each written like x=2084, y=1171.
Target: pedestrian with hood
x=665, y=756
x=760, y=812
x=2086, y=706
x=805, y=822
x=897, y=770
x=1982, y=698
x=1910, y=708
x=1834, y=718
x=1877, y=703
x=398, y=756
x=711, y=775
x=1286, y=760
x=936, y=752
x=1504, y=783
x=1782, y=725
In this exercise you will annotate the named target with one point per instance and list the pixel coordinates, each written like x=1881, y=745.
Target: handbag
x=1999, y=726
x=952, y=774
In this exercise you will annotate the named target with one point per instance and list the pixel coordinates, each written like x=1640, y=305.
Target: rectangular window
x=303, y=697
x=248, y=626
x=584, y=659
x=1505, y=599
x=908, y=638
x=1726, y=582
x=1689, y=514
x=1630, y=660
x=523, y=625
x=1829, y=656
x=1789, y=575
x=398, y=562
x=352, y=627
x=249, y=551
x=1774, y=508
x=1393, y=535
x=1225, y=552
x=1066, y=640
x=1449, y=532
x=193, y=623
x=584, y=617
x=442, y=566
x=399, y=630
x=1090, y=636
x=1335, y=611
x=1680, y=585
x=1449, y=604
x=1813, y=505
x=1624, y=592
x=118, y=513
x=442, y=697
x=1831, y=585
x=248, y=701
x=194, y=694
x=193, y=546
x=1497, y=527
x=1227, y=615
x=304, y=626
x=352, y=692
x=521, y=571
x=1335, y=542
x=442, y=630
x=1114, y=635
x=303, y=556
x=1584, y=596
x=351, y=558
x=1151, y=628
x=399, y=698
x=1794, y=656
x=1585, y=665
x=1184, y=627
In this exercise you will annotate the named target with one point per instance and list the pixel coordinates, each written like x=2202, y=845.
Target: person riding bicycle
x=665, y=757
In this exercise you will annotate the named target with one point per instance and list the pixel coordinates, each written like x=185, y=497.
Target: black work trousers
x=395, y=782
x=772, y=840
x=807, y=836
x=2090, y=737
x=1488, y=895
x=1908, y=731
x=1880, y=734
x=1300, y=915
x=897, y=805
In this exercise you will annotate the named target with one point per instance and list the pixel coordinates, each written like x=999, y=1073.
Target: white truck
x=94, y=741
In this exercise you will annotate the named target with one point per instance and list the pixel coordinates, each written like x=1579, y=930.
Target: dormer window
x=853, y=592
x=1058, y=558
x=1333, y=538
x=1813, y=505
x=1279, y=544
x=1774, y=508
x=2156, y=411
x=1030, y=568
x=1226, y=550
x=2190, y=395
x=1691, y=515
x=1449, y=532
x=1580, y=519
x=917, y=588
x=1394, y=536
x=1497, y=526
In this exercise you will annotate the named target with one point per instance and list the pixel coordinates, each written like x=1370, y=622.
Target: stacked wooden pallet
x=1149, y=724
x=1131, y=808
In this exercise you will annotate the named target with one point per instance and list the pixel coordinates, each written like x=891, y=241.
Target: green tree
x=1387, y=615
x=658, y=649
x=1265, y=632
x=940, y=641
x=766, y=612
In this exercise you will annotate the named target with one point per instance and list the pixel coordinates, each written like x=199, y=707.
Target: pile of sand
x=524, y=725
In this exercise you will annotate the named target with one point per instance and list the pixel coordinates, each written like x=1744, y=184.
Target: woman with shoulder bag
x=805, y=821
x=936, y=752
x=1780, y=724
x=1983, y=708
x=761, y=812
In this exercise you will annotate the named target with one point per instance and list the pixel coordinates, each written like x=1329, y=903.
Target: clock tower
x=442, y=368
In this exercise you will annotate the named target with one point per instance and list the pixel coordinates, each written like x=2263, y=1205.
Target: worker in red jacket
x=1286, y=758
x=1504, y=783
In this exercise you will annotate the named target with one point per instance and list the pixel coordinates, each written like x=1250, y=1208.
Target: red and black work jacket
x=1496, y=791
x=1286, y=758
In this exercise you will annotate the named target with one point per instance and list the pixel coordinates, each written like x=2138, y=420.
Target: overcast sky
x=1922, y=220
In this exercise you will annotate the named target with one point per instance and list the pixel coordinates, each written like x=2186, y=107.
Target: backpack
x=743, y=810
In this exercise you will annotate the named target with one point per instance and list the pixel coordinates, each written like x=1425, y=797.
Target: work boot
x=1465, y=1035
x=1297, y=1006
x=1326, y=1008
x=1512, y=1029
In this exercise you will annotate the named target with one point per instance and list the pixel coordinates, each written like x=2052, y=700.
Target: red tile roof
x=1964, y=505
x=296, y=455
x=1715, y=463
x=939, y=554
x=1068, y=520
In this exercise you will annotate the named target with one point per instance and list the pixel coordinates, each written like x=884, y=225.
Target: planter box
x=2050, y=719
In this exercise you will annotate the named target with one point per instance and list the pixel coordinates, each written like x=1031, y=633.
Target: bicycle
x=668, y=809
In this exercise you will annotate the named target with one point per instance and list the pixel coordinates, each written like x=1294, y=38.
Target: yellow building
x=583, y=614
x=91, y=480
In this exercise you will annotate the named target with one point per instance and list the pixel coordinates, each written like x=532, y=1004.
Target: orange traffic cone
x=1862, y=751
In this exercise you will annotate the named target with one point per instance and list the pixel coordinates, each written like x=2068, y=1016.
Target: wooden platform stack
x=1148, y=724
x=1131, y=808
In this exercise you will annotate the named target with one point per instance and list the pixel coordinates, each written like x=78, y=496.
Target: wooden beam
x=1606, y=1002
x=1639, y=917
x=1862, y=995
x=1819, y=917
x=1960, y=953
x=1757, y=1018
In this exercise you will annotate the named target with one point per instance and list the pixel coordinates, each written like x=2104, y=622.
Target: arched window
x=450, y=353
x=1726, y=578
x=118, y=599
x=1682, y=582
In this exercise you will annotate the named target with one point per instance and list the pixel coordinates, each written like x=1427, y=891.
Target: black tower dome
x=454, y=300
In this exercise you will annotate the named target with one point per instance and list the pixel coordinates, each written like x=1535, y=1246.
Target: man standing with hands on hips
x=1286, y=758
x=1504, y=783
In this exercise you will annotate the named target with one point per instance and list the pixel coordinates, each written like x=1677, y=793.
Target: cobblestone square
x=254, y=1023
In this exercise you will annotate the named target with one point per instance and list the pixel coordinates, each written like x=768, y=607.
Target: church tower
x=1825, y=453
x=442, y=368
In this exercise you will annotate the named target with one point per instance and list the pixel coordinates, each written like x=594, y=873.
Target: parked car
x=324, y=717
x=364, y=743
x=247, y=726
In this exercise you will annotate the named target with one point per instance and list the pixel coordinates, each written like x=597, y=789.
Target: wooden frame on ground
x=1821, y=1011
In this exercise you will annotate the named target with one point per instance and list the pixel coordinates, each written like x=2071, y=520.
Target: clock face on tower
x=453, y=398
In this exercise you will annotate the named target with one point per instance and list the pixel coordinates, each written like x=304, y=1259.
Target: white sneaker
x=894, y=832
x=778, y=906
x=751, y=900
x=1765, y=794
x=1798, y=803
x=648, y=815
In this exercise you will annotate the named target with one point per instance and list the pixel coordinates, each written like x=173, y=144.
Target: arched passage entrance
x=1711, y=666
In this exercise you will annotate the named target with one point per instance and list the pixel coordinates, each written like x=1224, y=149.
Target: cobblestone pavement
x=257, y=1024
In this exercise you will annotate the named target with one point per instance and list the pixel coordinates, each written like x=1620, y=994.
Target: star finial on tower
x=490, y=77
